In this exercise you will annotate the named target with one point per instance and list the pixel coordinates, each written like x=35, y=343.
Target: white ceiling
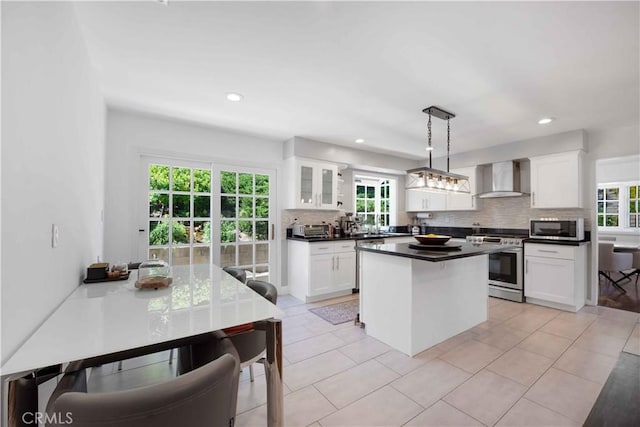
x=339, y=71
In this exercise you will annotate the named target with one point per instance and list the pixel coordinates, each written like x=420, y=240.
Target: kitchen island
x=412, y=299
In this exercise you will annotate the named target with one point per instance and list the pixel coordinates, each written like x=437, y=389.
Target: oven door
x=505, y=268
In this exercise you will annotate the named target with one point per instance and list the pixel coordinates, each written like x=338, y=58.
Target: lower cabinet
x=321, y=270
x=555, y=275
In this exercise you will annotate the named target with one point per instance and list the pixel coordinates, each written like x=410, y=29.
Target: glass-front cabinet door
x=306, y=195
x=327, y=193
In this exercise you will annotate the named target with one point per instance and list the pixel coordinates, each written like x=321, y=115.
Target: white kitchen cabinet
x=420, y=201
x=464, y=201
x=312, y=185
x=556, y=180
x=555, y=275
x=321, y=270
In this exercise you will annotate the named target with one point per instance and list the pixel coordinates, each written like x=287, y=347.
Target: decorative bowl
x=432, y=239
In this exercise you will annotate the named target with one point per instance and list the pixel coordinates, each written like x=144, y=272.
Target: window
x=374, y=200
x=634, y=206
x=608, y=206
x=619, y=206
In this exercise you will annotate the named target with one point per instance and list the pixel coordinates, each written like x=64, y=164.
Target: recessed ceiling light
x=429, y=148
x=359, y=141
x=545, y=120
x=235, y=97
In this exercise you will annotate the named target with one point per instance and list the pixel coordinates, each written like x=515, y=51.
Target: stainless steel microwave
x=557, y=228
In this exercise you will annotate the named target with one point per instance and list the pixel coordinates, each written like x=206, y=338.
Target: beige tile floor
x=527, y=365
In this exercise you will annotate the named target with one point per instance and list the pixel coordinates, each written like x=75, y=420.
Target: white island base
x=412, y=304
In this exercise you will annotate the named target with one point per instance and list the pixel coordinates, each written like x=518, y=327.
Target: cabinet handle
x=547, y=251
x=333, y=263
x=526, y=266
x=338, y=262
x=533, y=198
x=473, y=202
x=426, y=203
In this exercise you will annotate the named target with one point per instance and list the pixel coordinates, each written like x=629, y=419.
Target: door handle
x=273, y=232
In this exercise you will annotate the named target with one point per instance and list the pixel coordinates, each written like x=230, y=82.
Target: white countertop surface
x=103, y=318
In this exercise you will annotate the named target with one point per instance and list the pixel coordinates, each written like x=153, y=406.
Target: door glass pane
x=262, y=185
x=227, y=231
x=227, y=182
x=181, y=208
x=202, y=232
x=262, y=230
x=227, y=255
x=245, y=207
x=158, y=205
x=158, y=177
x=306, y=184
x=181, y=179
x=202, y=255
x=245, y=233
x=245, y=183
x=158, y=233
x=262, y=253
x=262, y=207
x=181, y=231
x=201, y=181
x=202, y=206
x=228, y=206
x=246, y=254
x=180, y=255
x=159, y=253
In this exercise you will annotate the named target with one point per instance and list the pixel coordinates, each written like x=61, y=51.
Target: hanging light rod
x=429, y=179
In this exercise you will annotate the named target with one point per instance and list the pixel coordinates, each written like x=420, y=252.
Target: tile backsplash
x=509, y=212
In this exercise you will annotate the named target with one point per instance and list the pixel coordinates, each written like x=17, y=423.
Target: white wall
x=131, y=134
x=52, y=163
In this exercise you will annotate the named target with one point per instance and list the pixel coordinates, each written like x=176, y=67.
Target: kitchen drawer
x=550, y=251
x=321, y=248
x=345, y=246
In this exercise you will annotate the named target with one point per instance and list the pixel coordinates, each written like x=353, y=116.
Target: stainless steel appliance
x=309, y=231
x=557, y=228
x=506, y=275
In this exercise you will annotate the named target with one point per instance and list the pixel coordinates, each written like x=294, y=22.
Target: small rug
x=338, y=313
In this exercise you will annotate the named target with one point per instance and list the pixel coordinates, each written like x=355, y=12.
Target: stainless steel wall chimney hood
x=505, y=180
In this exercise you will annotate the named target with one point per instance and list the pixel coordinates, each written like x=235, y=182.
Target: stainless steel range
x=506, y=276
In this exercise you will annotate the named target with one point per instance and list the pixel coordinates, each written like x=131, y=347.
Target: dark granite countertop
x=356, y=237
x=403, y=250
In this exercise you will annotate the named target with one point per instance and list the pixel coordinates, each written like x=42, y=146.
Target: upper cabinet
x=419, y=201
x=556, y=180
x=311, y=185
x=465, y=201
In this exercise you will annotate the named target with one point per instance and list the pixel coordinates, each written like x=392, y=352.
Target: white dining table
x=102, y=319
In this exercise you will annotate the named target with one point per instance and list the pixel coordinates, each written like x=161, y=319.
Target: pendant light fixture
x=429, y=179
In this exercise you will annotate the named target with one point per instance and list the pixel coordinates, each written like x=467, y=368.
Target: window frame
x=377, y=183
x=624, y=206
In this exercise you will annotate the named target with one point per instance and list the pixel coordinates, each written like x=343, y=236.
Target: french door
x=200, y=213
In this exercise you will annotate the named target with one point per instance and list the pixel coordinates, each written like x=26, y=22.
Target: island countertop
x=403, y=250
